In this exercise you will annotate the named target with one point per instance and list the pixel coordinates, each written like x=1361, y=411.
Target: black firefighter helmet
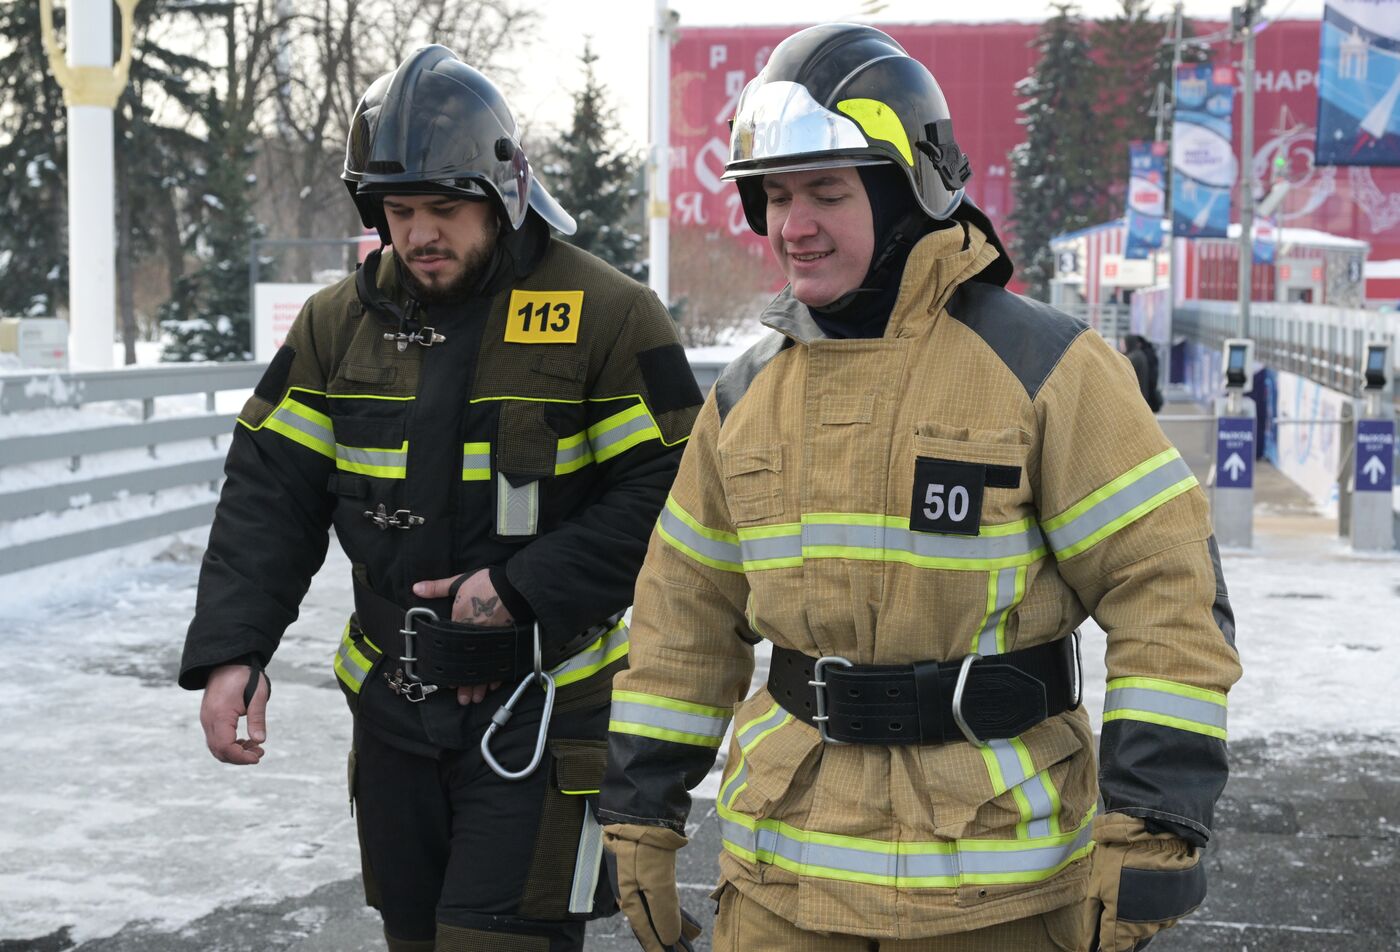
x=436, y=126
x=843, y=94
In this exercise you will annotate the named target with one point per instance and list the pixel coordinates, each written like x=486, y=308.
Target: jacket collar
x=940, y=262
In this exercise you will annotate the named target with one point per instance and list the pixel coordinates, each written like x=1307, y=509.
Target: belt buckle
x=405, y=682
x=818, y=684
x=967, y=731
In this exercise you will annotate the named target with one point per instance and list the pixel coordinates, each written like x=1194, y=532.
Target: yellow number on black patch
x=544, y=317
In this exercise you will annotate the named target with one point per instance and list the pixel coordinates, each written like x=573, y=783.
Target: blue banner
x=1359, y=83
x=1147, y=198
x=1203, y=161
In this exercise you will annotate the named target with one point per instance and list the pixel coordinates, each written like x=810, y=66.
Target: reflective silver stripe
x=1166, y=704
x=904, y=864
x=593, y=658
x=602, y=441
x=751, y=732
x=1042, y=807
x=1005, y=599
x=1118, y=505
x=734, y=784
x=517, y=507
x=284, y=415
x=590, y=855
x=690, y=540
x=349, y=665
x=879, y=540
x=1009, y=761
x=666, y=719
x=396, y=459
x=563, y=457
x=476, y=461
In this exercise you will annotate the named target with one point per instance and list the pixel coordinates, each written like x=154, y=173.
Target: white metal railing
x=71, y=449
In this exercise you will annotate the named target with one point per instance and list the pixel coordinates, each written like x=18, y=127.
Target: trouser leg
x=459, y=855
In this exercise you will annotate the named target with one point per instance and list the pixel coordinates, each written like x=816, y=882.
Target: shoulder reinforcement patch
x=1028, y=336
x=669, y=380
x=273, y=384
x=735, y=379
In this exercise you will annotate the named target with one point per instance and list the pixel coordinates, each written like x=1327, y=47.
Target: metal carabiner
x=503, y=715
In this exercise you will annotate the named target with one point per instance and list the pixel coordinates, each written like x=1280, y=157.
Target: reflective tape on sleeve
x=573, y=454
x=712, y=547
x=594, y=658
x=351, y=665
x=664, y=718
x=622, y=431
x=1120, y=503
x=301, y=424
x=1166, y=703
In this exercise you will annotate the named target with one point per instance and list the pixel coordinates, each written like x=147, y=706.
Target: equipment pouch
x=566, y=879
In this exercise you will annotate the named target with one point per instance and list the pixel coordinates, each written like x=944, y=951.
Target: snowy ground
x=114, y=812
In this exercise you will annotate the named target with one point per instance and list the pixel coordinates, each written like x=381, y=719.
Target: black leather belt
x=444, y=653
x=928, y=702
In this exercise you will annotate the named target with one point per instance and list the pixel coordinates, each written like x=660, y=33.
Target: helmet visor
x=780, y=127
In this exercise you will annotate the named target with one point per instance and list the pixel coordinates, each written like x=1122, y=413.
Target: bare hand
x=223, y=706
x=476, y=604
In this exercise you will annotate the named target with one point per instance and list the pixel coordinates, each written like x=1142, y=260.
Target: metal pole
x=1247, y=16
x=92, y=232
x=659, y=206
x=1172, y=263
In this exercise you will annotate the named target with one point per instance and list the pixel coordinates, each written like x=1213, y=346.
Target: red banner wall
x=978, y=66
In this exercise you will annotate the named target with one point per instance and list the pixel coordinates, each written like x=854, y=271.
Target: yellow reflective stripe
x=1119, y=503
x=879, y=121
x=683, y=532
x=301, y=424
x=578, y=793
x=382, y=462
x=350, y=664
x=881, y=538
x=622, y=431
x=621, y=396
x=668, y=719
x=1167, y=703
x=476, y=461
x=607, y=649
x=367, y=396
x=573, y=454
x=942, y=863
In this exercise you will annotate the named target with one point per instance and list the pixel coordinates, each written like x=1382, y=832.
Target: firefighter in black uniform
x=490, y=418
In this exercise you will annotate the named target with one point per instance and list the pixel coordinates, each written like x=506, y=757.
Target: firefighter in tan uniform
x=915, y=488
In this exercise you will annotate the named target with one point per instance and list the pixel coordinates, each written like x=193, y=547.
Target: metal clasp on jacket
x=424, y=336
x=399, y=519
x=818, y=684
x=405, y=681
x=503, y=715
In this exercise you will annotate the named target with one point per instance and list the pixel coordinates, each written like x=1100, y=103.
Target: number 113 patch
x=947, y=496
x=544, y=317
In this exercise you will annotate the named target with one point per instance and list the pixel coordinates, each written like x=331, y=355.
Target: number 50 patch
x=543, y=317
x=947, y=496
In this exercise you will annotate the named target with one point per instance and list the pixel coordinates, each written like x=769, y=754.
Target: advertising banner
x=1147, y=197
x=1359, y=83
x=1203, y=161
x=275, y=306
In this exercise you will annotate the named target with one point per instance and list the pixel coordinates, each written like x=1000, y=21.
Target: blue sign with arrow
x=1375, y=455
x=1234, y=453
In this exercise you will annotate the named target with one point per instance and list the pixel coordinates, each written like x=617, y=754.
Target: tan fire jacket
x=790, y=520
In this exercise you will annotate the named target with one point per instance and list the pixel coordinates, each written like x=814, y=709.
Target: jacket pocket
x=753, y=482
x=770, y=756
x=1001, y=457
x=565, y=880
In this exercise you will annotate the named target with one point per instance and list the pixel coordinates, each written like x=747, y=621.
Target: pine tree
x=33, y=170
x=1123, y=43
x=209, y=316
x=595, y=179
x=1055, y=177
